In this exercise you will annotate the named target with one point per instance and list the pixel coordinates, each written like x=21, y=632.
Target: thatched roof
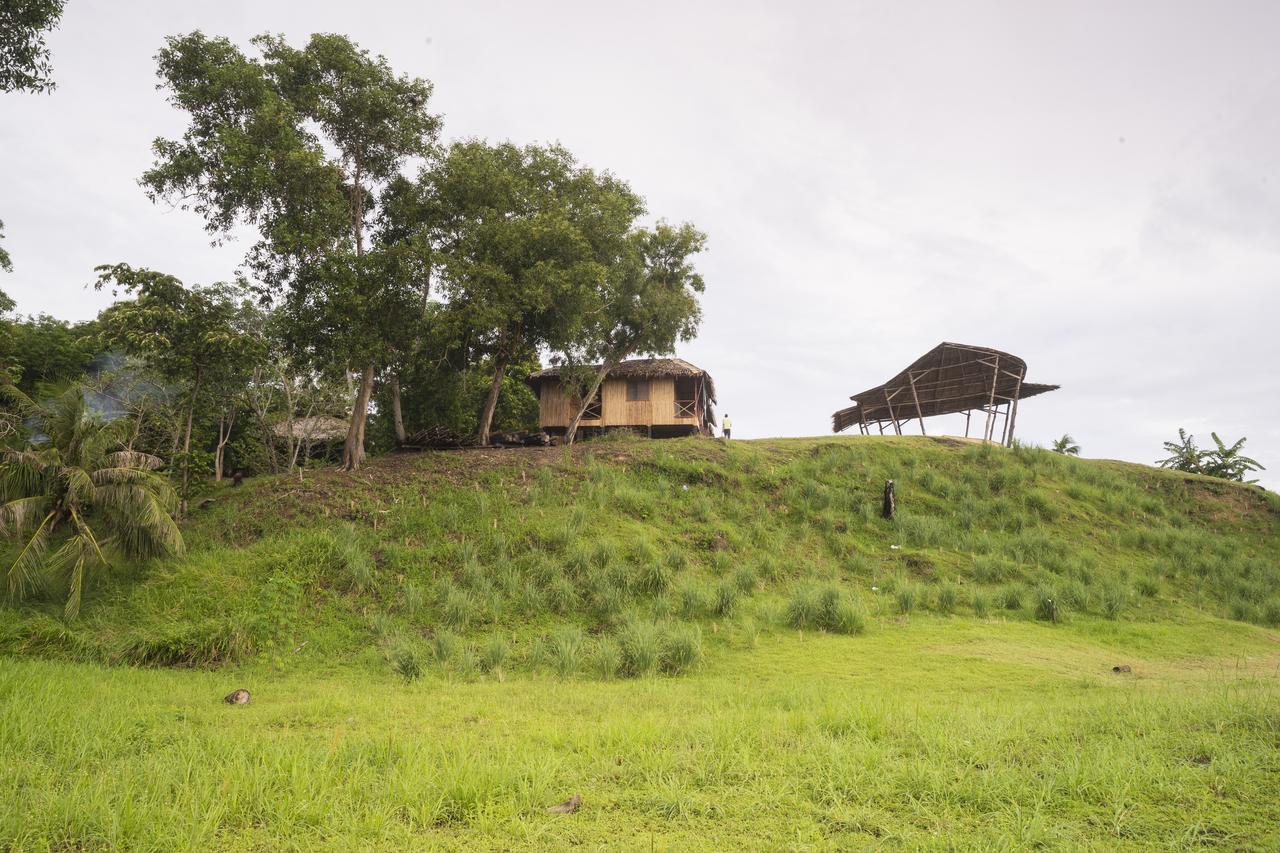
x=949, y=378
x=315, y=428
x=639, y=368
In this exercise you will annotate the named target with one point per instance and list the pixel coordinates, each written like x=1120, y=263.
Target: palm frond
x=133, y=459
x=23, y=570
x=18, y=516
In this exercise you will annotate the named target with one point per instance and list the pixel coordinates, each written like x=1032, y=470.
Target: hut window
x=637, y=390
x=686, y=397
x=595, y=409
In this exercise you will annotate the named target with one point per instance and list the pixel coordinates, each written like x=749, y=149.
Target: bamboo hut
x=949, y=379
x=661, y=397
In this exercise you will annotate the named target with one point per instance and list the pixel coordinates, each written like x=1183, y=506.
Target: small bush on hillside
x=384, y=627
x=641, y=644
x=1048, y=607
x=653, y=576
x=693, y=601
x=682, y=649
x=561, y=595
x=1011, y=597
x=444, y=647
x=607, y=659
x=981, y=605
x=406, y=662
x=1074, y=595
x=1113, y=600
x=991, y=569
x=603, y=554
x=566, y=651
x=745, y=579
x=676, y=559
x=1147, y=587
x=355, y=563
x=458, y=608
x=906, y=594
x=947, y=596
x=726, y=600
x=828, y=608
x=720, y=562
x=413, y=599
x=495, y=653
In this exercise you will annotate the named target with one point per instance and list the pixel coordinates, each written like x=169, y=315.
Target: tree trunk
x=353, y=450
x=186, y=447
x=397, y=417
x=225, y=425
x=491, y=402
x=572, y=431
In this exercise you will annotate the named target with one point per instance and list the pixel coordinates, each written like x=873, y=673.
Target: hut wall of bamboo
x=555, y=409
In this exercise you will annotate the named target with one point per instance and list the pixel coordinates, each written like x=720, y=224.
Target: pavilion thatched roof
x=947, y=379
x=314, y=428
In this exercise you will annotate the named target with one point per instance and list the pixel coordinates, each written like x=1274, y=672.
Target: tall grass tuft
x=607, y=659
x=641, y=644
x=947, y=597
x=828, y=608
x=406, y=661
x=726, y=600
x=566, y=651
x=495, y=654
x=682, y=649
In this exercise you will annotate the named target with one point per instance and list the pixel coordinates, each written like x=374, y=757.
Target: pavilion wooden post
x=888, y=398
x=1012, y=418
x=919, y=414
x=991, y=421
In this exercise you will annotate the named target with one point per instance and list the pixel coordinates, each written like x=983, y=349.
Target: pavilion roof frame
x=949, y=379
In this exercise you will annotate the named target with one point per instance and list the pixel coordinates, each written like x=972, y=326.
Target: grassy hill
x=573, y=561
x=713, y=644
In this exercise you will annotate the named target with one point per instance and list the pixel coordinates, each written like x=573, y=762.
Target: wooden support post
x=919, y=414
x=1013, y=413
x=991, y=415
x=888, y=399
x=967, y=414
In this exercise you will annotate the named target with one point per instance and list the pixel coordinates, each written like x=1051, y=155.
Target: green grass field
x=716, y=647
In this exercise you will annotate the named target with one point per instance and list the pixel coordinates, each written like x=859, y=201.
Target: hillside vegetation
x=716, y=647
x=629, y=557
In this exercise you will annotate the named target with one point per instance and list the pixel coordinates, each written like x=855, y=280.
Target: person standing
x=725, y=426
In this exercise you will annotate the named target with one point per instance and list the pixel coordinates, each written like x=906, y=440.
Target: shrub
x=406, y=662
x=444, y=647
x=682, y=649
x=458, y=608
x=654, y=576
x=566, y=651
x=905, y=596
x=947, y=596
x=641, y=644
x=745, y=579
x=1048, y=608
x=1114, y=600
x=828, y=608
x=1011, y=597
x=693, y=601
x=414, y=598
x=726, y=598
x=1147, y=587
x=495, y=653
x=561, y=596
x=980, y=604
x=991, y=569
x=607, y=659
x=355, y=564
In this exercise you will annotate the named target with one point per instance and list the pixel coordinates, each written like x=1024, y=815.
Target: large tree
x=531, y=237
x=24, y=57
x=207, y=340
x=648, y=303
x=298, y=142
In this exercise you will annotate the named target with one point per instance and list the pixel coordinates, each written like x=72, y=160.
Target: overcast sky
x=1093, y=186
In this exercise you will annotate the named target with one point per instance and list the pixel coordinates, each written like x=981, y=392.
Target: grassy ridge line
x=938, y=733
x=631, y=557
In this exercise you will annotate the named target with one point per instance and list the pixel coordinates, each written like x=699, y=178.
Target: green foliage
x=24, y=56
x=827, y=608
x=77, y=498
x=1066, y=445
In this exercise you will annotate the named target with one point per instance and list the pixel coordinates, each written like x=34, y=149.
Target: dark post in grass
x=890, y=505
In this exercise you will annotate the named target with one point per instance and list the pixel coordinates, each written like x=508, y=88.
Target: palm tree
x=1228, y=462
x=71, y=497
x=1183, y=454
x=1066, y=445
